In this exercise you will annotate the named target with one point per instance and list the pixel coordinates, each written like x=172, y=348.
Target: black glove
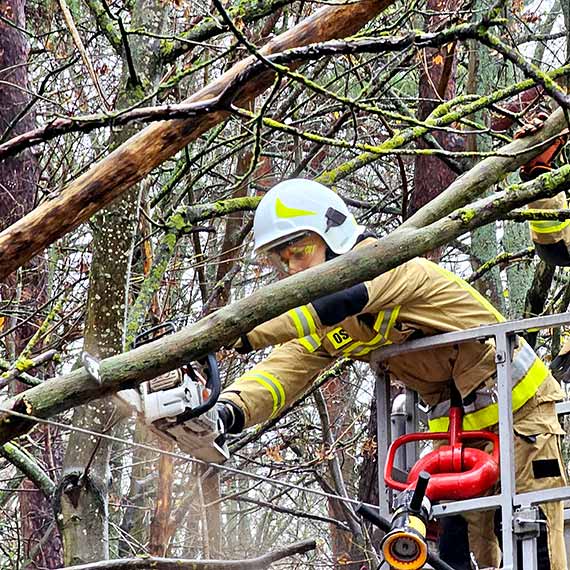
x=560, y=367
x=232, y=417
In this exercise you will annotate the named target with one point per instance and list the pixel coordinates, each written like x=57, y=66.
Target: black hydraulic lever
x=419, y=492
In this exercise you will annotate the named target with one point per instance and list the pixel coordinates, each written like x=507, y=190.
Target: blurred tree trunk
x=18, y=182
x=86, y=477
x=437, y=83
x=86, y=474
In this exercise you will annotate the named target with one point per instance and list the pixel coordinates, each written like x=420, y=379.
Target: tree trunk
x=18, y=179
x=86, y=475
x=437, y=84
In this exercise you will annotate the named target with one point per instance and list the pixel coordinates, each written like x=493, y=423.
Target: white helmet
x=295, y=206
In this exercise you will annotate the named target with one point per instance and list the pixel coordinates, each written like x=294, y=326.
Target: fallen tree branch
x=134, y=159
x=502, y=259
x=221, y=328
x=192, y=109
x=151, y=563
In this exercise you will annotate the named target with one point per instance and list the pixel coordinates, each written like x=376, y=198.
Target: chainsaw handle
x=213, y=383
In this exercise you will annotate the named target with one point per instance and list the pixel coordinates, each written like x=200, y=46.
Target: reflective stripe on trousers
x=272, y=385
x=529, y=372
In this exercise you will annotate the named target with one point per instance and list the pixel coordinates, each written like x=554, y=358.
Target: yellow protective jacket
x=418, y=298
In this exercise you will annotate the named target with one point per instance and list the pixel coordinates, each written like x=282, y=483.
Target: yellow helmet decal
x=283, y=211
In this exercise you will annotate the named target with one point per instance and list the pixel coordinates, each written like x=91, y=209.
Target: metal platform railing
x=516, y=508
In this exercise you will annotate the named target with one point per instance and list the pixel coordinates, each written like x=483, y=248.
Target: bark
x=18, y=175
x=223, y=327
x=86, y=475
x=437, y=83
x=104, y=182
x=18, y=179
x=160, y=528
x=84, y=486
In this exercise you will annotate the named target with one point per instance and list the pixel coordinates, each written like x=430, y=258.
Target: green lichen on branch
x=191, y=215
x=466, y=215
x=503, y=259
x=537, y=214
x=442, y=116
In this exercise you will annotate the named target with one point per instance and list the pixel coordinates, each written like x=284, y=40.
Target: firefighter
x=300, y=224
x=551, y=237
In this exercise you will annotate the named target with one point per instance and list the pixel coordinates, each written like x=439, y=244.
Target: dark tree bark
x=18, y=175
x=18, y=180
x=437, y=83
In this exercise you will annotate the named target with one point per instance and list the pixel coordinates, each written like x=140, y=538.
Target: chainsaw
x=180, y=405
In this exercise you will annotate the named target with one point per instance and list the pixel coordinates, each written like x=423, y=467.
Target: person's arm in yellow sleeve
x=305, y=323
x=551, y=237
x=267, y=389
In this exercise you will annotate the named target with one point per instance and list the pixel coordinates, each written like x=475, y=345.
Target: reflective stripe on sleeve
x=548, y=226
x=272, y=385
x=383, y=325
x=306, y=328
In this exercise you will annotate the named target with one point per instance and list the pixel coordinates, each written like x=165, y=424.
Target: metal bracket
x=526, y=523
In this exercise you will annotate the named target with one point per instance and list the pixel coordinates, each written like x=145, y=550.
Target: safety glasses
x=295, y=255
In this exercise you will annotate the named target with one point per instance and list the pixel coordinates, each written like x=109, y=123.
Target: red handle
x=457, y=472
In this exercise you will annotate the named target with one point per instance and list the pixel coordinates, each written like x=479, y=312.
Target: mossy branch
x=445, y=114
x=25, y=463
x=536, y=214
x=503, y=259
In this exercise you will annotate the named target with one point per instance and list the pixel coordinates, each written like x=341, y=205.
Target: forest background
x=114, y=219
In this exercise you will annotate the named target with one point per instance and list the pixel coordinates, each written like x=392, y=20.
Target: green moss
x=466, y=215
x=177, y=222
x=170, y=241
x=24, y=364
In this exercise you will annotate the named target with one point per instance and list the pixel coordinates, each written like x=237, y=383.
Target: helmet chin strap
x=330, y=254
